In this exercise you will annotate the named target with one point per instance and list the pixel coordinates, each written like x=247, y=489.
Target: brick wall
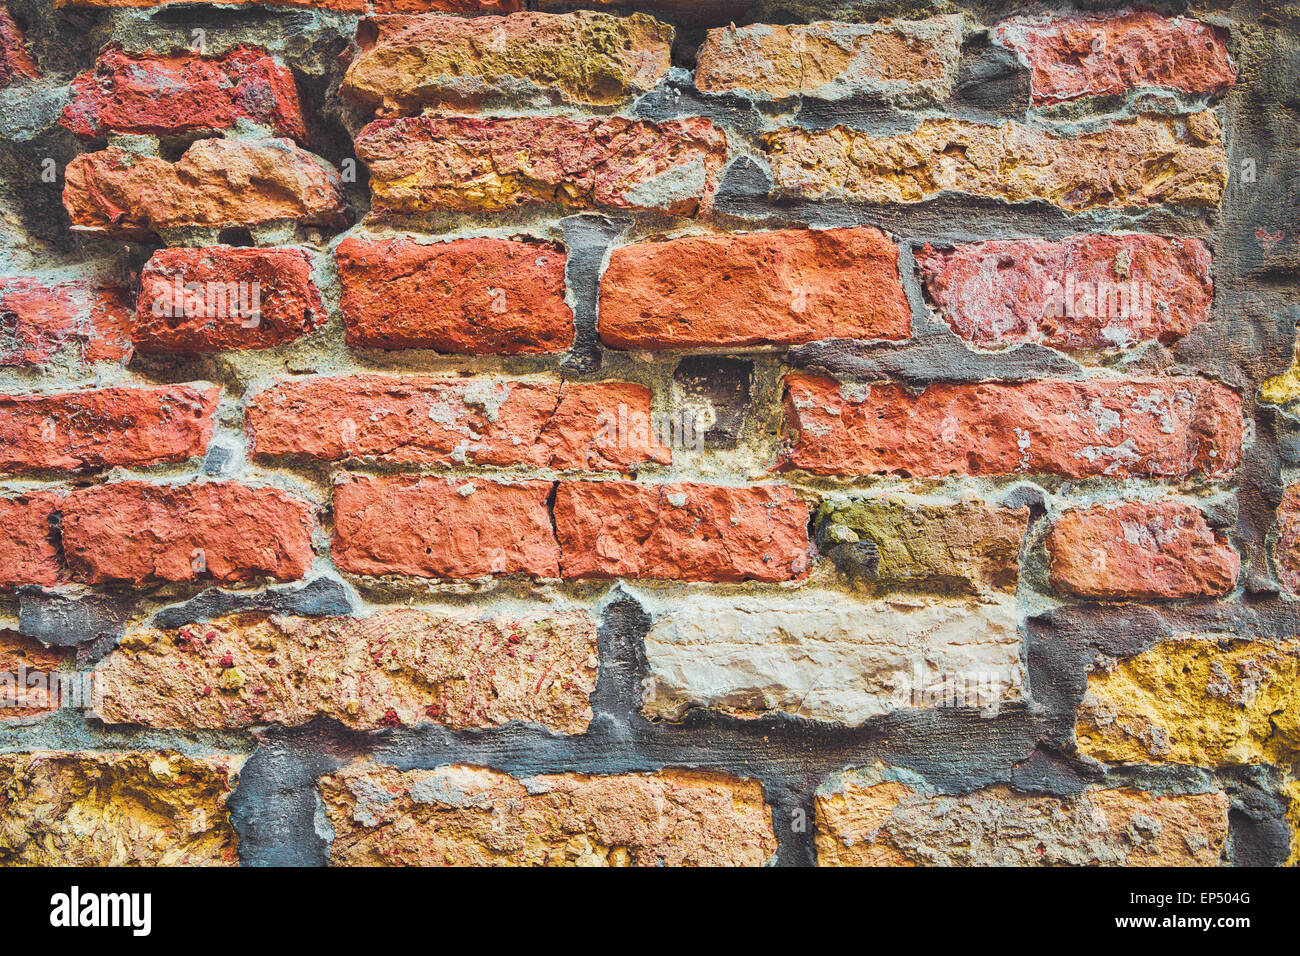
x=728, y=432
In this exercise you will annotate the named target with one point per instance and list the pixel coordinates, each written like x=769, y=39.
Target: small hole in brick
x=236, y=236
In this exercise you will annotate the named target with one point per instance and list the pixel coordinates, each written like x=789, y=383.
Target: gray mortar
x=1029, y=745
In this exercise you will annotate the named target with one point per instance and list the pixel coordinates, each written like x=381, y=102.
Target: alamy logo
x=75, y=909
x=210, y=300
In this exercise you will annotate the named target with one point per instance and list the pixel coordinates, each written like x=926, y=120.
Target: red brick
x=764, y=288
x=40, y=320
x=477, y=296
x=106, y=427
x=28, y=552
x=469, y=164
x=351, y=6
x=1139, y=427
x=15, y=61
x=1288, y=539
x=241, y=299
x=179, y=93
x=217, y=182
x=443, y=527
x=416, y=420
x=681, y=531
x=1086, y=292
x=1111, y=53
x=138, y=532
x=1140, y=550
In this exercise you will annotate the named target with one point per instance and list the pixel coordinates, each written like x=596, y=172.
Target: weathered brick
x=42, y=321
x=351, y=6
x=1140, y=550
x=400, y=666
x=446, y=6
x=1112, y=53
x=1131, y=163
x=701, y=12
x=217, y=182
x=681, y=531
x=417, y=420
x=116, y=809
x=1152, y=427
x=898, y=543
x=28, y=553
x=591, y=59
x=196, y=300
x=1291, y=789
x=478, y=296
x=766, y=288
x=714, y=393
x=459, y=815
x=1287, y=549
x=21, y=659
x=467, y=164
x=832, y=61
x=884, y=817
x=443, y=527
x=1085, y=292
x=179, y=93
x=105, y=427
x=139, y=532
x=1195, y=700
x=15, y=61
x=827, y=658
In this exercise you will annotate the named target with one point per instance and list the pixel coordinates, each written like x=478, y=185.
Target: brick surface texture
x=679, y=432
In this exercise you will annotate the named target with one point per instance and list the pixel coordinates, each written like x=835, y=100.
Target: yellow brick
x=1196, y=700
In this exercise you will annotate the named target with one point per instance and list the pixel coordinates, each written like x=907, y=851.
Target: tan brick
x=429, y=164
x=879, y=817
x=585, y=58
x=469, y=816
x=833, y=60
x=398, y=667
x=831, y=658
x=116, y=809
x=1134, y=162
